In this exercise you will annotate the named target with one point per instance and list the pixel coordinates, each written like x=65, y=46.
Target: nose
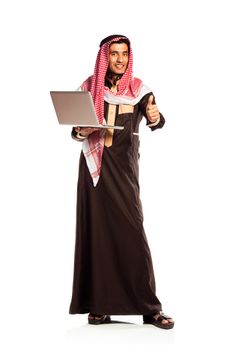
x=120, y=58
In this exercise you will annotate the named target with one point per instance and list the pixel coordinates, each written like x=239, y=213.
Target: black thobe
x=113, y=270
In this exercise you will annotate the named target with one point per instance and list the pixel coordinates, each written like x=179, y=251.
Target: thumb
x=150, y=100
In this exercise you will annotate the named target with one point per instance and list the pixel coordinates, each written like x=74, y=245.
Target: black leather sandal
x=99, y=319
x=150, y=319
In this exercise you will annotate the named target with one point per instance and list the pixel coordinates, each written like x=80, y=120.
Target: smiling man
x=113, y=270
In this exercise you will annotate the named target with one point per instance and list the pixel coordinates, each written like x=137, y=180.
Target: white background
x=193, y=173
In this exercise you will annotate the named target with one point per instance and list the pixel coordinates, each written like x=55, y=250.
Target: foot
x=95, y=317
x=159, y=320
x=163, y=320
x=98, y=319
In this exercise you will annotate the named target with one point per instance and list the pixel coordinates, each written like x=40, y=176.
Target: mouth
x=119, y=66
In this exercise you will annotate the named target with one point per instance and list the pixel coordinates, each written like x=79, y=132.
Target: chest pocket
x=111, y=116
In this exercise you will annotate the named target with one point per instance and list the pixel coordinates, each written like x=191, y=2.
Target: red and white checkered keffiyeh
x=128, y=87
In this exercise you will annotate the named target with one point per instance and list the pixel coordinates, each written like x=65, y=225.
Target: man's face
x=118, y=58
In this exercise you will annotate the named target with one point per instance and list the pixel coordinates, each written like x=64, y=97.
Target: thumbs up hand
x=152, y=110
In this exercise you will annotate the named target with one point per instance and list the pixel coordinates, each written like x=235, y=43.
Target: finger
x=152, y=110
x=153, y=107
x=153, y=119
x=90, y=129
x=87, y=130
x=154, y=113
x=150, y=100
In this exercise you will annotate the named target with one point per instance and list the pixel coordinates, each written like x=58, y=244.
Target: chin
x=119, y=72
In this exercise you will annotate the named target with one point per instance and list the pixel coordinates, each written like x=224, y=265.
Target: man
x=113, y=271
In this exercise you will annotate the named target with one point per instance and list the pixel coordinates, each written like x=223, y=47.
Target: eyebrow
x=115, y=51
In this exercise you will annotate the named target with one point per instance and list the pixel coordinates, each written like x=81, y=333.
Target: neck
x=113, y=78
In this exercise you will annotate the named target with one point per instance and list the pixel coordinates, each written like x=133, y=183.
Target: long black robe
x=113, y=270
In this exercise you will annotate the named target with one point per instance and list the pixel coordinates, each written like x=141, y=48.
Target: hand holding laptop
x=83, y=132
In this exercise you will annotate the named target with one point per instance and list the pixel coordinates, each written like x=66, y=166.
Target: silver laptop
x=76, y=108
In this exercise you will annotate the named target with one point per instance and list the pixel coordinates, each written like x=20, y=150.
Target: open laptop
x=76, y=108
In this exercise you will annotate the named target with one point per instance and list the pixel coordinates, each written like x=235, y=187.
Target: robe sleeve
x=142, y=106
